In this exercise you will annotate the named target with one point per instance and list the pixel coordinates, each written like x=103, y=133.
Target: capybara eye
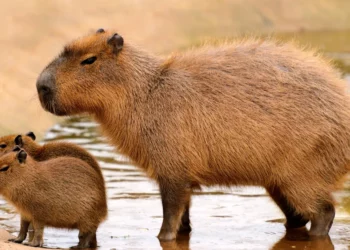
x=3, y=145
x=4, y=169
x=90, y=60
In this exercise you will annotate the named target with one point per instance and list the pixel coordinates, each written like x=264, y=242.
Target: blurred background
x=33, y=32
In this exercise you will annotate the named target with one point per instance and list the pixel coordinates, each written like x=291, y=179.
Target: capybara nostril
x=44, y=89
x=45, y=84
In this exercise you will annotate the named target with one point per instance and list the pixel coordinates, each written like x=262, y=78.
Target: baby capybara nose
x=45, y=84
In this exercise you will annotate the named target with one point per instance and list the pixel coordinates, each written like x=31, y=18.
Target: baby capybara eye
x=3, y=145
x=90, y=60
x=4, y=169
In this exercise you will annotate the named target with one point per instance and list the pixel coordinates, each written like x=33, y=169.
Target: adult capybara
x=243, y=113
x=42, y=153
x=63, y=192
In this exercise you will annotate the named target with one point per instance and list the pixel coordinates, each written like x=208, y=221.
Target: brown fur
x=42, y=153
x=49, y=150
x=63, y=192
x=240, y=113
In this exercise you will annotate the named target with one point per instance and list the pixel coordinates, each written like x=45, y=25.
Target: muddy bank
x=5, y=245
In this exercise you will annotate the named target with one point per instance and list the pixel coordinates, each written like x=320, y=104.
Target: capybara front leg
x=185, y=226
x=175, y=197
x=87, y=240
x=38, y=240
x=294, y=220
x=322, y=221
x=22, y=232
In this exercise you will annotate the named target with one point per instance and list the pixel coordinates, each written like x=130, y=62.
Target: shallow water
x=236, y=218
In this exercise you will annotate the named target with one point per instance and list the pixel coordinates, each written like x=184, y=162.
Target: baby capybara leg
x=30, y=232
x=175, y=197
x=22, y=232
x=38, y=235
x=322, y=220
x=185, y=226
x=87, y=240
x=293, y=219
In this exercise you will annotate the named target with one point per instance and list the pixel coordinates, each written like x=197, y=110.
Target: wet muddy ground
x=236, y=218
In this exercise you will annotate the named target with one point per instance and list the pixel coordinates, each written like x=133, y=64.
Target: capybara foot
x=38, y=238
x=87, y=240
x=185, y=228
x=35, y=243
x=322, y=221
x=22, y=232
x=296, y=222
x=18, y=239
x=166, y=236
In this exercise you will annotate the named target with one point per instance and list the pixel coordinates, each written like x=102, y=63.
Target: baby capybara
x=44, y=152
x=242, y=113
x=48, y=150
x=49, y=193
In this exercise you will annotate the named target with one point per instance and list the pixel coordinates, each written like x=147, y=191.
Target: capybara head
x=9, y=142
x=87, y=70
x=11, y=166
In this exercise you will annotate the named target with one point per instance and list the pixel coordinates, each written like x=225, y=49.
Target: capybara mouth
x=50, y=105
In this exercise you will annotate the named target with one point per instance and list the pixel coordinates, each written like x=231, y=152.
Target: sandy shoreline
x=6, y=245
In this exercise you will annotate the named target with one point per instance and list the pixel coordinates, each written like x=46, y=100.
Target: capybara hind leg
x=38, y=235
x=22, y=232
x=175, y=197
x=322, y=221
x=87, y=240
x=185, y=226
x=294, y=220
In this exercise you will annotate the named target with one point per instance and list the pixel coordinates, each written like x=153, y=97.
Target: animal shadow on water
x=299, y=239
x=293, y=239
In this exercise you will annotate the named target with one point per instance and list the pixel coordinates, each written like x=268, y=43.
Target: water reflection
x=299, y=239
x=293, y=239
x=182, y=243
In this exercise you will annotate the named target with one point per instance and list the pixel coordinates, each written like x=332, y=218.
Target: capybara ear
x=100, y=31
x=117, y=42
x=31, y=135
x=19, y=141
x=22, y=156
x=16, y=148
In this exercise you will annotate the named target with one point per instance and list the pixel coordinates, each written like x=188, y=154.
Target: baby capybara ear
x=31, y=135
x=19, y=141
x=21, y=156
x=16, y=149
x=117, y=42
